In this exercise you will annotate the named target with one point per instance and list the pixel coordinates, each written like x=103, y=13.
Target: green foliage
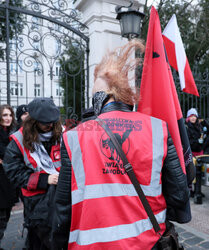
x=72, y=78
x=193, y=19
x=145, y=22
x=16, y=23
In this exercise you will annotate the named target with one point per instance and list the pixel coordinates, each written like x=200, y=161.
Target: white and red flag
x=177, y=57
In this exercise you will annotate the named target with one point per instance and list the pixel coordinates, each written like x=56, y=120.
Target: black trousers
x=4, y=218
x=33, y=242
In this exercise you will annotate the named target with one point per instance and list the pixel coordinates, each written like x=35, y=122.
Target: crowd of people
x=73, y=185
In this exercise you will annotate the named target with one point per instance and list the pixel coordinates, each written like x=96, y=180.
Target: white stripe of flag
x=177, y=57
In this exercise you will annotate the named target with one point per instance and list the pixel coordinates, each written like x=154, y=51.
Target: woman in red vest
x=96, y=205
x=32, y=163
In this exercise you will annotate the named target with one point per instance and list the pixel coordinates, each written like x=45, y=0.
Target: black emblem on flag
x=155, y=55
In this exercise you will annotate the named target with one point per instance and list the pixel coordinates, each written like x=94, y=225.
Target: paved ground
x=14, y=236
x=193, y=235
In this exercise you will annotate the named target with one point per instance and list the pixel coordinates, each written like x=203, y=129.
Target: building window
x=36, y=45
x=37, y=90
x=20, y=66
x=59, y=90
x=57, y=47
x=56, y=27
x=57, y=70
x=36, y=66
x=35, y=23
x=12, y=45
x=16, y=89
x=14, y=68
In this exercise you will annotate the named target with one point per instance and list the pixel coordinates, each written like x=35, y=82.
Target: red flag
x=158, y=96
x=177, y=56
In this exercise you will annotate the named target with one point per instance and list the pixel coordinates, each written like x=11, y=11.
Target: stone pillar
x=104, y=30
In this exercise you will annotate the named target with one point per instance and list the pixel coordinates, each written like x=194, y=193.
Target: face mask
x=99, y=99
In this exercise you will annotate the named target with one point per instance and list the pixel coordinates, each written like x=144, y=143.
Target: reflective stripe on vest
x=119, y=232
x=114, y=233
x=18, y=137
x=116, y=189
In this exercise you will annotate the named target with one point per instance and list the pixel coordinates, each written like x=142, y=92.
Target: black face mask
x=99, y=99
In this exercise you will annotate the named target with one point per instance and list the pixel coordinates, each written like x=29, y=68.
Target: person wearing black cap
x=32, y=162
x=21, y=114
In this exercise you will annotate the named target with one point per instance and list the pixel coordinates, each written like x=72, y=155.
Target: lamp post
x=130, y=24
x=130, y=21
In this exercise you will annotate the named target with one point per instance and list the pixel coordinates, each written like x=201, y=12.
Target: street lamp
x=130, y=21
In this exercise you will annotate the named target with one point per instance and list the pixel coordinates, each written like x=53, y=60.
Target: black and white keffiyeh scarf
x=99, y=99
x=40, y=155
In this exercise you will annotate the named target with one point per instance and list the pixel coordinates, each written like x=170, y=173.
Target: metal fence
x=188, y=101
x=44, y=53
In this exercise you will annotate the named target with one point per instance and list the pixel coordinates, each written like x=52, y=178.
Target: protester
x=96, y=206
x=21, y=114
x=7, y=192
x=195, y=132
x=205, y=127
x=32, y=162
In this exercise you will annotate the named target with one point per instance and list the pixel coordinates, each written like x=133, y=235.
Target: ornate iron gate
x=44, y=53
x=188, y=101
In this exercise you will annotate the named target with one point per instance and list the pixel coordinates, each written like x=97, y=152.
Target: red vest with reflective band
x=31, y=163
x=106, y=210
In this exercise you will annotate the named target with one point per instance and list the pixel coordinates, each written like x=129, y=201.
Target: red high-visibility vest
x=31, y=163
x=106, y=210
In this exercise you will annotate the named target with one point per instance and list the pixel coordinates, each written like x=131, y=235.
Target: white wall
x=104, y=30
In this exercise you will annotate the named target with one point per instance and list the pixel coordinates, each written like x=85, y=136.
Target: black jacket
x=194, y=133
x=7, y=191
x=174, y=182
x=19, y=174
x=205, y=125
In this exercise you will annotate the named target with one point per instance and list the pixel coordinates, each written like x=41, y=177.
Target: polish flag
x=177, y=57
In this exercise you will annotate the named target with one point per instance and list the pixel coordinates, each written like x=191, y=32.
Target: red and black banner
x=158, y=96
